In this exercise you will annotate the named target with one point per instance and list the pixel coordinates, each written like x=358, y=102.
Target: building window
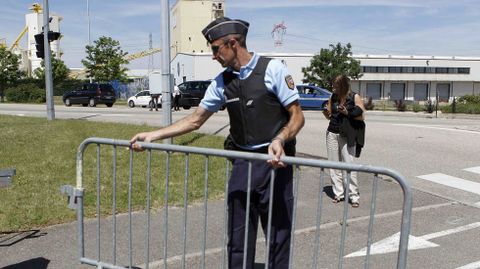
x=382, y=69
x=441, y=70
x=370, y=69
x=463, y=70
x=415, y=70
x=452, y=70
x=419, y=70
x=394, y=69
x=430, y=70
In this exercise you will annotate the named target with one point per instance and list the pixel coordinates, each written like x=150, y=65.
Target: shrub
x=26, y=93
x=400, y=105
x=429, y=107
x=369, y=104
x=417, y=107
x=469, y=99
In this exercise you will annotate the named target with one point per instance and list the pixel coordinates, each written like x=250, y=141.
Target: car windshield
x=312, y=90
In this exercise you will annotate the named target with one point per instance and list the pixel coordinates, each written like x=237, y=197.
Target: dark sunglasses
x=217, y=48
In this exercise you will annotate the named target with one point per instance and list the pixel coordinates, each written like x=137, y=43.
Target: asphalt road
x=438, y=156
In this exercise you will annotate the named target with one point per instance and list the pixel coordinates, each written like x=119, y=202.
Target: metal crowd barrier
x=108, y=244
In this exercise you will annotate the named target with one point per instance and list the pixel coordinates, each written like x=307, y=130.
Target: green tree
x=9, y=70
x=59, y=71
x=329, y=63
x=105, y=60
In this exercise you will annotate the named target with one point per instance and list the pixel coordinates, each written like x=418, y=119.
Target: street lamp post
x=88, y=19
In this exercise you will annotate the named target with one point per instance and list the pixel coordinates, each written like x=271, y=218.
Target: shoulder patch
x=289, y=81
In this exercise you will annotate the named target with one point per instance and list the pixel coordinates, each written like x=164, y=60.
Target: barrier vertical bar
x=130, y=179
x=114, y=206
x=270, y=213
x=247, y=215
x=296, y=178
x=372, y=215
x=165, y=220
x=346, y=191
x=205, y=212
x=98, y=203
x=147, y=234
x=185, y=209
x=225, y=216
x=318, y=222
x=405, y=228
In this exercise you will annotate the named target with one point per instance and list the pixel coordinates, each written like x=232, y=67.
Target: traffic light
x=52, y=36
x=39, y=45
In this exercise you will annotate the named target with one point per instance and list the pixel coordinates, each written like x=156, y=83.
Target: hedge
x=25, y=93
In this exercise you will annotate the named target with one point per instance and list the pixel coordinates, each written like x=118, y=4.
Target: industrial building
x=389, y=77
x=188, y=17
x=33, y=25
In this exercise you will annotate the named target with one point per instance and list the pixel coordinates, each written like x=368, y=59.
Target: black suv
x=91, y=94
x=192, y=92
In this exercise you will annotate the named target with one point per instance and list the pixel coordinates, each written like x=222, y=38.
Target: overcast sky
x=397, y=27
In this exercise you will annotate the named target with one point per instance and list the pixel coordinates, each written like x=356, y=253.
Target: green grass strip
x=44, y=155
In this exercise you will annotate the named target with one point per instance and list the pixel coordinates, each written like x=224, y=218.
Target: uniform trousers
x=260, y=196
x=338, y=150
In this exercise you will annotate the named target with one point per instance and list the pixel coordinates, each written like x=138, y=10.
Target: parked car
x=192, y=92
x=143, y=99
x=91, y=94
x=313, y=97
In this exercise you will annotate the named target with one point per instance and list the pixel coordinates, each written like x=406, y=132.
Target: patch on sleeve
x=289, y=81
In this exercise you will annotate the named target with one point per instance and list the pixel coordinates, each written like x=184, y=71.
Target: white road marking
x=453, y=182
x=473, y=265
x=439, y=128
x=390, y=244
x=475, y=170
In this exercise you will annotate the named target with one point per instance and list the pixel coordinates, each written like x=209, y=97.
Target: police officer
x=265, y=116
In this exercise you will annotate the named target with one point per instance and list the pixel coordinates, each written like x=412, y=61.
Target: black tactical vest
x=256, y=115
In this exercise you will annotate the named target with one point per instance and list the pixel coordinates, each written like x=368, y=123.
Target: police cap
x=224, y=26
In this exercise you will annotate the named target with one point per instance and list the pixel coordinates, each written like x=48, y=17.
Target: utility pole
x=48, y=64
x=166, y=76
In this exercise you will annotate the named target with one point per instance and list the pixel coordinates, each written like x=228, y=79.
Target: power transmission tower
x=278, y=32
x=150, y=57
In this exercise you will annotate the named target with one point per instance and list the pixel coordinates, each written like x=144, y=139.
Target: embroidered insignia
x=289, y=81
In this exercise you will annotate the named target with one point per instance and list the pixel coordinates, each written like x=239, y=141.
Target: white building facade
x=388, y=77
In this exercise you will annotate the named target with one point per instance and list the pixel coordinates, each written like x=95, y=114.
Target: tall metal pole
x=166, y=76
x=88, y=19
x=47, y=60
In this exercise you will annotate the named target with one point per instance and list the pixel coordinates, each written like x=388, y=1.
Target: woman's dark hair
x=341, y=84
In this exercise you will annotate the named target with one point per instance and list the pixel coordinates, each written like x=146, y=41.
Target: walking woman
x=345, y=136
